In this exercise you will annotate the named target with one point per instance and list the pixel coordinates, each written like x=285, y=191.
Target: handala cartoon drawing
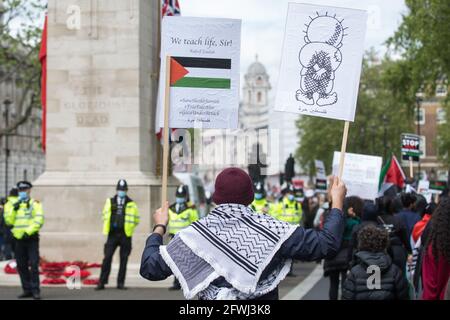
x=320, y=57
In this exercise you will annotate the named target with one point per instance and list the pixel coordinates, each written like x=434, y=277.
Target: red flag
x=43, y=60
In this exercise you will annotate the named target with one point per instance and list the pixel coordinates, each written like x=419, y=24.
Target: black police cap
x=24, y=185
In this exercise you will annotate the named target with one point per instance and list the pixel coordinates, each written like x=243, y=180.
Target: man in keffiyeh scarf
x=234, y=252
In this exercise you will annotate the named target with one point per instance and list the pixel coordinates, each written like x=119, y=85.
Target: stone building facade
x=25, y=160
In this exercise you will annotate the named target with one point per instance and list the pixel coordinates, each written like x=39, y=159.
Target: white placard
x=320, y=169
x=321, y=61
x=424, y=189
x=361, y=174
x=208, y=51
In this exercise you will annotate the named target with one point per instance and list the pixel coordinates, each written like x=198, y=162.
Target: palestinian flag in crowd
x=168, y=8
x=206, y=73
x=391, y=175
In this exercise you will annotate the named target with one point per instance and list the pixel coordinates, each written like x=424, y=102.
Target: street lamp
x=385, y=119
x=7, y=104
x=418, y=101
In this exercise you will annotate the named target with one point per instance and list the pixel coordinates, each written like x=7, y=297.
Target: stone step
x=133, y=278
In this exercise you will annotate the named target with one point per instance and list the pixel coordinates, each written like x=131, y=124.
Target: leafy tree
x=422, y=39
x=20, y=35
x=380, y=119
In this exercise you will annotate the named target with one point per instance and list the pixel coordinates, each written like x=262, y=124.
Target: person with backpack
x=386, y=282
x=337, y=267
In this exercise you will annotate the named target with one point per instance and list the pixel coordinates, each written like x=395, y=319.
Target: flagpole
x=343, y=148
x=157, y=73
x=166, y=134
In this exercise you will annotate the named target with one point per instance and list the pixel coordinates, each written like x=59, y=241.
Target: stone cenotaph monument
x=101, y=100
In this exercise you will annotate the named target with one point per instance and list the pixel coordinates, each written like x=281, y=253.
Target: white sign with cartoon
x=321, y=61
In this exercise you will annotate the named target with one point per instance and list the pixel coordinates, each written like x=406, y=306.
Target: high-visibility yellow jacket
x=182, y=219
x=9, y=203
x=289, y=211
x=25, y=217
x=263, y=206
x=131, y=216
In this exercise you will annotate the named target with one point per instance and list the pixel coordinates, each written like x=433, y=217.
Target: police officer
x=181, y=214
x=289, y=209
x=26, y=217
x=8, y=250
x=120, y=218
x=261, y=204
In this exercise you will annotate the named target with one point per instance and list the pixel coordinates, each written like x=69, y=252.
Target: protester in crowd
x=419, y=237
x=399, y=247
x=237, y=253
x=310, y=206
x=391, y=283
x=369, y=217
x=436, y=259
x=337, y=267
x=421, y=204
x=321, y=211
x=407, y=215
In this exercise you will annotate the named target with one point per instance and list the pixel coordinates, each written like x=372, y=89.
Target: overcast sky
x=263, y=24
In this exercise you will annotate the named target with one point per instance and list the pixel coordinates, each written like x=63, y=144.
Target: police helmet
x=287, y=188
x=182, y=191
x=259, y=188
x=122, y=185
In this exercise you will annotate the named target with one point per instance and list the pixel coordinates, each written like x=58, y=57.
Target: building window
x=249, y=95
x=421, y=116
x=259, y=97
x=423, y=146
x=442, y=175
x=440, y=116
x=25, y=175
x=441, y=90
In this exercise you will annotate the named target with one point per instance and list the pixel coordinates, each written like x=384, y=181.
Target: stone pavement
x=139, y=288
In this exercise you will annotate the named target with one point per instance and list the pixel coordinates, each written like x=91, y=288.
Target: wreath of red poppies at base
x=56, y=273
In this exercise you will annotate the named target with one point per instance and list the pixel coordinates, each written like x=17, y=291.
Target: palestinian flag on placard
x=391, y=175
x=205, y=73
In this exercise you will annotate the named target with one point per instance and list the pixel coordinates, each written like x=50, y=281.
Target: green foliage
x=380, y=120
x=423, y=42
x=20, y=37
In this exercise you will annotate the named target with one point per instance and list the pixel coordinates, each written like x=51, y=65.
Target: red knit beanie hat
x=233, y=185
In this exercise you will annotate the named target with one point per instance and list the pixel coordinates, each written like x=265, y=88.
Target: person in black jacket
x=337, y=267
x=374, y=276
x=399, y=247
x=234, y=190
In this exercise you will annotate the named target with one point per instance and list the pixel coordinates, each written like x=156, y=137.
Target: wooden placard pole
x=411, y=171
x=166, y=135
x=343, y=148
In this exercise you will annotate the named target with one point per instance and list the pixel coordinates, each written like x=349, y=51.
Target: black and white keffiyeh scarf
x=232, y=242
